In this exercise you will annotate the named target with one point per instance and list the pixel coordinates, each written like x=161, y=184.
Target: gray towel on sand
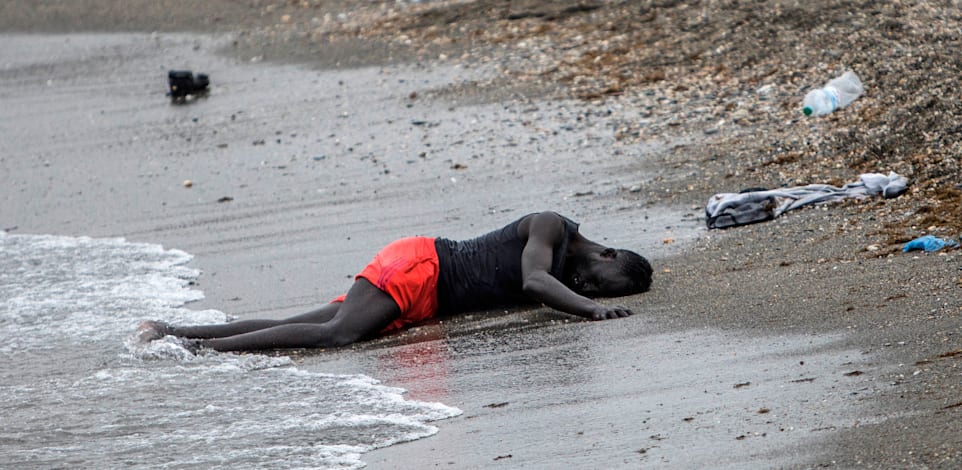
x=750, y=206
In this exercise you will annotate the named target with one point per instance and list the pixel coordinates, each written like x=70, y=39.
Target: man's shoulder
x=548, y=215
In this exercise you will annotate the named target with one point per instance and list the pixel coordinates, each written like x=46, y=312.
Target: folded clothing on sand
x=750, y=206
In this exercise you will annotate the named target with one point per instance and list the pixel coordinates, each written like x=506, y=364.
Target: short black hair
x=637, y=268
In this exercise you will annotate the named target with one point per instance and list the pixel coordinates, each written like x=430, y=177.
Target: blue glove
x=928, y=243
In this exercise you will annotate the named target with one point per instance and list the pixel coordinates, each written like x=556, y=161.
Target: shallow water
x=77, y=391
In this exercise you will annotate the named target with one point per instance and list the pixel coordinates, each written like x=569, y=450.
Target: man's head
x=607, y=272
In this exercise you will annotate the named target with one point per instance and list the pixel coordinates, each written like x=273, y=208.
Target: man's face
x=599, y=275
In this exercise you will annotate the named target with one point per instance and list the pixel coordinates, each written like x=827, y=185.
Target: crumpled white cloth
x=731, y=209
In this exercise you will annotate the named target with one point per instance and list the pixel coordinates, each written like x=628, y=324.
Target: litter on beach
x=758, y=205
x=184, y=83
x=928, y=244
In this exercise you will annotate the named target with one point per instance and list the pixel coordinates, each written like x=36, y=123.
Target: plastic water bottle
x=836, y=94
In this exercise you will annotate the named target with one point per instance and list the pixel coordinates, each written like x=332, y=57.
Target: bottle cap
x=807, y=110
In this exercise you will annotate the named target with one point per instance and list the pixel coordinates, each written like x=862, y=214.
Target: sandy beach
x=333, y=128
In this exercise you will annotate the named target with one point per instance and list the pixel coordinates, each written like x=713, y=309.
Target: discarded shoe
x=184, y=83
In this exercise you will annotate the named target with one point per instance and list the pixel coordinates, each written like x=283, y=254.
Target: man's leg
x=365, y=312
x=151, y=330
x=320, y=315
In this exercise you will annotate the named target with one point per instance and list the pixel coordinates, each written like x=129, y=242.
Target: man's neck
x=581, y=246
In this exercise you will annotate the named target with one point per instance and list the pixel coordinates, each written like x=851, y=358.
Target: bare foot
x=151, y=330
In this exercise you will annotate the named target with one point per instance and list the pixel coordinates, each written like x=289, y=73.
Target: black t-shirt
x=485, y=272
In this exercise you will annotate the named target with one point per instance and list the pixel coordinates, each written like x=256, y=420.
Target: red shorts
x=407, y=270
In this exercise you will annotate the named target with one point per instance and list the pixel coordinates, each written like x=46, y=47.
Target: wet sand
x=785, y=344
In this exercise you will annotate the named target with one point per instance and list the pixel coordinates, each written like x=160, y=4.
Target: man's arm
x=545, y=230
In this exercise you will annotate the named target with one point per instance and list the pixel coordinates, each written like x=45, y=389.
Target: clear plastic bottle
x=836, y=94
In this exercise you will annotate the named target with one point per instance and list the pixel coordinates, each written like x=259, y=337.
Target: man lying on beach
x=540, y=257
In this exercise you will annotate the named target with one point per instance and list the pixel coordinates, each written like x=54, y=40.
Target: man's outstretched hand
x=605, y=312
